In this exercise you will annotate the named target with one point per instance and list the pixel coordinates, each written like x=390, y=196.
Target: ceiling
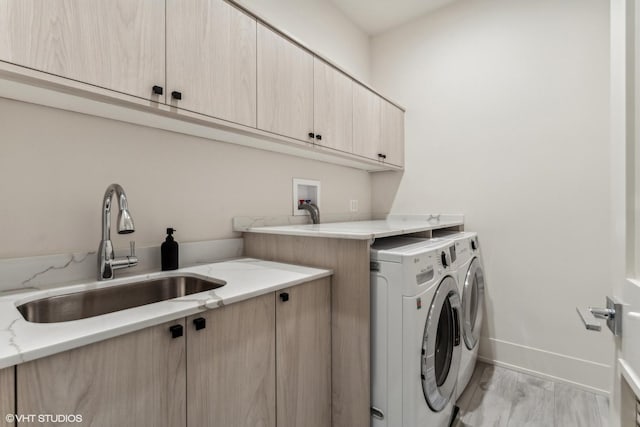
x=377, y=16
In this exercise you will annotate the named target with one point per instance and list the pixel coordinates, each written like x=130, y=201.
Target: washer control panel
x=447, y=257
x=427, y=267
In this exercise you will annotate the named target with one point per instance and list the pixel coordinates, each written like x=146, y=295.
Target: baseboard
x=584, y=374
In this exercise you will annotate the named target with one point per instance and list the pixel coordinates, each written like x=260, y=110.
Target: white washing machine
x=471, y=285
x=416, y=336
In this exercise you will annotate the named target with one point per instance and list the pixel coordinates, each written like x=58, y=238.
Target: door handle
x=589, y=320
x=612, y=314
x=377, y=413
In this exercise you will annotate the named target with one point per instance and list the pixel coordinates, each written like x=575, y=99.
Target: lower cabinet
x=303, y=355
x=136, y=379
x=7, y=395
x=231, y=365
x=262, y=362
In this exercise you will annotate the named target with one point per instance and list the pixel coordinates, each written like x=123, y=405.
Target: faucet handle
x=132, y=259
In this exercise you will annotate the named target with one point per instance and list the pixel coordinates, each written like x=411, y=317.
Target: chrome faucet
x=313, y=210
x=107, y=262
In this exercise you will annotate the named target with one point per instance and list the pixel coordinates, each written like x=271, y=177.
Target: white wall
x=321, y=26
x=55, y=165
x=507, y=122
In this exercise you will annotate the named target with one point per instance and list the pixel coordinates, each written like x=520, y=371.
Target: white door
x=625, y=190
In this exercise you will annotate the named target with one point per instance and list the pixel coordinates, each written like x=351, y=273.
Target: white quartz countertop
x=21, y=341
x=362, y=230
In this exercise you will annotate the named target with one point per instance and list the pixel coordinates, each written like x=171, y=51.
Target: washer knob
x=443, y=257
x=474, y=244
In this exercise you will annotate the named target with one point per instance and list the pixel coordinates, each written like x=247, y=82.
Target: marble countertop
x=393, y=225
x=22, y=341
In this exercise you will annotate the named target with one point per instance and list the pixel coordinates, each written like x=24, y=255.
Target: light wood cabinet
x=333, y=107
x=367, y=135
x=235, y=78
x=392, y=139
x=303, y=355
x=211, y=59
x=252, y=351
x=7, y=395
x=378, y=127
x=135, y=379
x=285, y=86
x=117, y=44
x=231, y=366
x=350, y=313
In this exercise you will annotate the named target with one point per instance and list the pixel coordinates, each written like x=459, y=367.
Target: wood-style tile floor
x=504, y=398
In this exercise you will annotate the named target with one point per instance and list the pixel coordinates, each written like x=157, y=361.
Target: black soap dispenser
x=169, y=252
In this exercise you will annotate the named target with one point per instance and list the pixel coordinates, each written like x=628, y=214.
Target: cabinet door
x=366, y=123
x=392, y=133
x=333, y=107
x=231, y=366
x=303, y=355
x=285, y=86
x=211, y=59
x=116, y=44
x=136, y=379
x=7, y=395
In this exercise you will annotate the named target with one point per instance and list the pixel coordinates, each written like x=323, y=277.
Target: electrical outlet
x=353, y=206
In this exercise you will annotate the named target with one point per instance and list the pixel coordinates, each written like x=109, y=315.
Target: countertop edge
x=354, y=235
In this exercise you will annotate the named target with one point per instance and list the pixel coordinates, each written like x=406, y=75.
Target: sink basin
x=80, y=305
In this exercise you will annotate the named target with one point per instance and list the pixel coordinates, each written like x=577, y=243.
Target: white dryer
x=416, y=335
x=471, y=285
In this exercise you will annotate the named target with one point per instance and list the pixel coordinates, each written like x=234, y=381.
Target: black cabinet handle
x=318, y=137
x=382, y=156
x=157, y=90
x=200, y=323
x=176, y=331
x=176, y=95
x=284, y=297
x=312, y=135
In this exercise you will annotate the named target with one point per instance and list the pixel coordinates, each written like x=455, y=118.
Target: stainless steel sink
x=95, y=302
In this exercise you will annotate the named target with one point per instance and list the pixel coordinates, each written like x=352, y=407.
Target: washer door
x=441, y=348
x=473, y=303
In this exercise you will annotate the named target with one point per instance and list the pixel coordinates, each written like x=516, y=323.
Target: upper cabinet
x=285, y=86
x=392, y=124
x=211, y=59
x=332, y=107
x=378, y=127
x=222, y=72
x=367, y=136
x=116, y=44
